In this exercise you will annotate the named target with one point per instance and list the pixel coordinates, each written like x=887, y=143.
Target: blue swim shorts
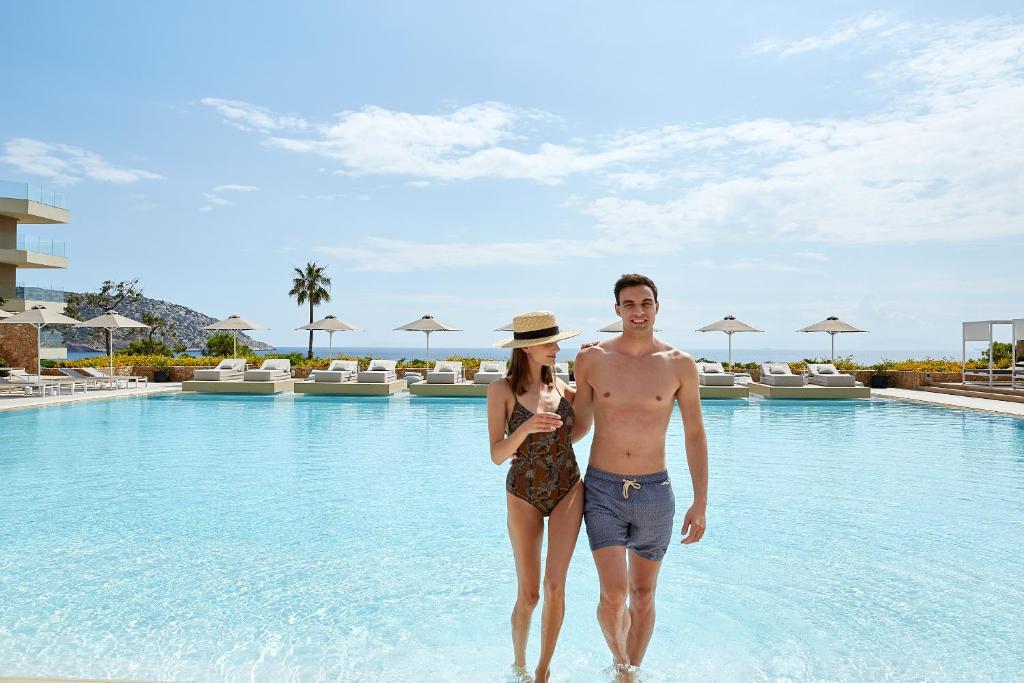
x=634, y=511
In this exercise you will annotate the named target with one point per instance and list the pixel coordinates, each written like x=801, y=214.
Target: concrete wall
x=18, y=346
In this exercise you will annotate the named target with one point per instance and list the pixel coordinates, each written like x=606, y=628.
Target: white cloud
x=755, y=264
x=66, y=164
x=235, y=188
x=811, y=255
x=247, y=116
x=847, y=31
x=214, y=199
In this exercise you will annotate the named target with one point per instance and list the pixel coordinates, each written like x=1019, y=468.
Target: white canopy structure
x=982, y=331
x=833, y=326
x=234, y=323
x=730, y=326
x=39, y=317
x=111, y=321
x=329, y=324
x=616, y=327
x=428, y=324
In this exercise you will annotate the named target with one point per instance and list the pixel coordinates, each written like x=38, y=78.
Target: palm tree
x=311, y=284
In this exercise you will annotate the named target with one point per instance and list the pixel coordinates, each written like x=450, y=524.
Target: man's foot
x=520, y=674
x=542, y=675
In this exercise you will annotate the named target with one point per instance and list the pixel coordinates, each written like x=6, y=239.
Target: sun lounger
x=490, y=370
x=445, y=372
x=562, y=372
x=273, y=369
x=98, y=374
x=826, y=375
x=72, y=384
x=18, y=382
x=412, y=377
x=779, y=375
x=229, y=369
x=380, y=372
x=714, y=375
x=337, y=371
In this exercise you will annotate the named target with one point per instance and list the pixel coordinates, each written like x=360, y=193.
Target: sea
x=745, y=355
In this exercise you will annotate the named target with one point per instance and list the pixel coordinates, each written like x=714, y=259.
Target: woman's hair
x=519, y=372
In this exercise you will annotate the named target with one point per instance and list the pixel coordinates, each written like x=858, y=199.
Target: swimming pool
x=310, y=538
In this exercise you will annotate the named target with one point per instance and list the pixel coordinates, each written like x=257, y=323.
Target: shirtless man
x=626, y=388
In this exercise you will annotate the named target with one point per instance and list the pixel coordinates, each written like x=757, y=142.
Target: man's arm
x=696, y=449
x=583, y=403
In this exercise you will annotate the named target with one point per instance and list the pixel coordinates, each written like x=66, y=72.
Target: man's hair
x=633, y=280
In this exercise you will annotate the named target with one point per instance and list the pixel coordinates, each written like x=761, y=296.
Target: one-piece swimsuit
x=544, y=469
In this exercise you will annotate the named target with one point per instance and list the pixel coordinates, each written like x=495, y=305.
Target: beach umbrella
x=111, y=321
x=616, y=327
x=730, y=326
x=234, y=323
x=39, y=317
x=833, y=326
x=507, y=327
x=428, y=324
x=330, y=325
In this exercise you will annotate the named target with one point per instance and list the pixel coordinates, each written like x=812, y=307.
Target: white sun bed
x=229, y=369
x=490, y=370
x=380, y=372
x=562, y=371
x=779, y=375
x=337, y=371
x=98, y=374
x=272, y=369
x=445, y=372
x=28, y=386
x=826, y=375
x=714, y=375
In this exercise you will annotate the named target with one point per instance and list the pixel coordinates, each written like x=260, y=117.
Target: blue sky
x=779, y=162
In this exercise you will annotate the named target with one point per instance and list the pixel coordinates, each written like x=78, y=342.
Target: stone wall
x=19, y=346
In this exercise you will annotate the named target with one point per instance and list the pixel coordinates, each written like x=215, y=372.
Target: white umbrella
x=329, y=324
x=617, y=327
x=39, y=317
x=111, y=321
x=833, y=326
x=507, y=327
x=730, y=326
x=428, y=324
x=234, y=323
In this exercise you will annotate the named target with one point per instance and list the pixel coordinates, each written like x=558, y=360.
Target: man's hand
x=695, y=522
x=587, y=345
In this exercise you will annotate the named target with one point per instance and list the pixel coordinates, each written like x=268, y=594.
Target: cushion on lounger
x=825, y=370
x=776, y=371
x=379, y=367
x=710, y=369
x=444, y=367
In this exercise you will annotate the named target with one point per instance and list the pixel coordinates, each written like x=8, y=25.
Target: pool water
x=311, y=538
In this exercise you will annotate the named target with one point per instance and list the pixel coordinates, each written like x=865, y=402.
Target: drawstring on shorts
x=628, y=484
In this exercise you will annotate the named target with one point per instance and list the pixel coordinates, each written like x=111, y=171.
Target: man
x=626, y=387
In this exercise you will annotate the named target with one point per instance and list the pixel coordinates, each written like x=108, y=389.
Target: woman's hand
x=542, y=423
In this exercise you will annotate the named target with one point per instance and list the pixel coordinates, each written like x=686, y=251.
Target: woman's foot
x=520, y=674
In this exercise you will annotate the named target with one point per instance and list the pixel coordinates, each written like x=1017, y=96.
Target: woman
x=530, y=420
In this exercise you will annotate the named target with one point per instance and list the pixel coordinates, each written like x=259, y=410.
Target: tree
x=149, y=346
x=110, y=295
x=311, y=284
x=222, y=344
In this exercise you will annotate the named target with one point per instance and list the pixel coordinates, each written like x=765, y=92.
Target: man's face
x=637, y=308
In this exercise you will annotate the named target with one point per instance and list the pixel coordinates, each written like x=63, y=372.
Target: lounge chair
x=273, y=369
x=380, y=372
x=412, y=376
x=29, y=387
x=826, y=375
x=490, y=370
x=228, y=370
x=779, y=375
x=562, y=372
x=18, y=375
x=337, y=371
x=98, y=374
x=714, y=375
x=445, y=372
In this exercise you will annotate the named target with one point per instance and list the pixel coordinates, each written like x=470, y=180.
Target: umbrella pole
x=39, y=353
x=234, y=345
x=330, y=343
x=110, y=349
x=730, y=350
x=428, y=345
x=833, y=348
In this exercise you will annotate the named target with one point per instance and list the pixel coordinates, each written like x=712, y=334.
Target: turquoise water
x=308, y=538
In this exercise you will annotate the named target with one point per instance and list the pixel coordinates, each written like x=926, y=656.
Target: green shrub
x=223, y=344
x=147, y=347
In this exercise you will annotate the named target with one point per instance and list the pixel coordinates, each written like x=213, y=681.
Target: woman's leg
x=526, y=531
x=563, y=530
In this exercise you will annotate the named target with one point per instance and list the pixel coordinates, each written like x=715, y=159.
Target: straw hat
x=533, y=329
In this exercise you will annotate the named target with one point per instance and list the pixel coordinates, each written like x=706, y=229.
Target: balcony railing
x=42, y=246
x=33, y=194
x=39, y=293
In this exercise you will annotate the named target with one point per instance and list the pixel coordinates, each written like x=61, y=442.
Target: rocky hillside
x=188, y=325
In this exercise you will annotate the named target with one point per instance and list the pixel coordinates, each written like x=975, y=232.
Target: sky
x=779, y=162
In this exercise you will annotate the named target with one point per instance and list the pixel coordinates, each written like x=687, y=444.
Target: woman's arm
x=583, y=398
x=504, y=447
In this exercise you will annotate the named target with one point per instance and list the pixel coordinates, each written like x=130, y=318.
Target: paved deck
x=951, y=401
x=735, y=391
x=811, y=392
x=241, y=387
x=12, y=401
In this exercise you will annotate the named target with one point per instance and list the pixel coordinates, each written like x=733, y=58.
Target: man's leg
x=563, y=530
x=526, y=531
x=611, y=609
x=643, y=578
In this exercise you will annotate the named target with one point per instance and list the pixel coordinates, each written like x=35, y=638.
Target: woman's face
x=542, y=354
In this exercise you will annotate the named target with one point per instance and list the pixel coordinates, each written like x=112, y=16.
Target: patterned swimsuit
x=544, y=469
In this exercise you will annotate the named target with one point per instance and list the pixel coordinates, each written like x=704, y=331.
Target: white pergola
x=982, y=331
